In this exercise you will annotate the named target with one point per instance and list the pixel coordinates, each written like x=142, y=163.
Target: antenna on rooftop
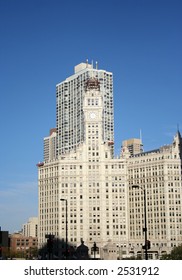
x=141, y=135
x=96, y=65
x=141, y=144
x=92, y=75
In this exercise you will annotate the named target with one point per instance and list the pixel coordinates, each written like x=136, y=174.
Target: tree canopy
x=176, y=254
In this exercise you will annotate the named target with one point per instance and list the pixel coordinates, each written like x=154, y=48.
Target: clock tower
x=93, y=113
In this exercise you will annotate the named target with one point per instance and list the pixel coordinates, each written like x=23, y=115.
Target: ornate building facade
x=101, y=205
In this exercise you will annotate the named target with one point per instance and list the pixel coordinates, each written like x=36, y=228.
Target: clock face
x=92, y=115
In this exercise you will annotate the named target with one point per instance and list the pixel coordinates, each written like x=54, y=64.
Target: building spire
x=177, y=126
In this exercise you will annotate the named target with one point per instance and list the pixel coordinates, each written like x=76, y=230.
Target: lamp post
x=145, y=218
x=66, y=201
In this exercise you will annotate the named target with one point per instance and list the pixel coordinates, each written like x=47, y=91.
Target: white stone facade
x=31, y=227
x=159, y=172
x=102, y=205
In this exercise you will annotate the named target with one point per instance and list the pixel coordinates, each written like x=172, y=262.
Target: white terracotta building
x=102, y=205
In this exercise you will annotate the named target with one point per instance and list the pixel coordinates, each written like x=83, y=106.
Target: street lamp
x=66, y=201
x=145, y=218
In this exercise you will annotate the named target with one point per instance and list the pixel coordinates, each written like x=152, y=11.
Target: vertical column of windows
x=94, y=210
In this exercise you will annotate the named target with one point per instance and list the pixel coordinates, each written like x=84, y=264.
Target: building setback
x=102, y=205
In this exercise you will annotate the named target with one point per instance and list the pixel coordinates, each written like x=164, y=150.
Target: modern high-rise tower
x=70, y=120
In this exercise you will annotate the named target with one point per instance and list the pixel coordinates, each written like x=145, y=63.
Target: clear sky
x=41, y=41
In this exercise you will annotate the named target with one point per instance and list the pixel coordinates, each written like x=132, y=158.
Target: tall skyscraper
x=87, y=194
x=85, y=173
x=70, y=120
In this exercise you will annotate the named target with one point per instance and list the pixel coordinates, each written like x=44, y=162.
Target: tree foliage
x=176, y=254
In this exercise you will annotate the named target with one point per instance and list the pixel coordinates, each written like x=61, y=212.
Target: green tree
x=176, y=254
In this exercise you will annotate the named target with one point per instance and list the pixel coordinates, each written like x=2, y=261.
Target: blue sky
x=41, y=41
